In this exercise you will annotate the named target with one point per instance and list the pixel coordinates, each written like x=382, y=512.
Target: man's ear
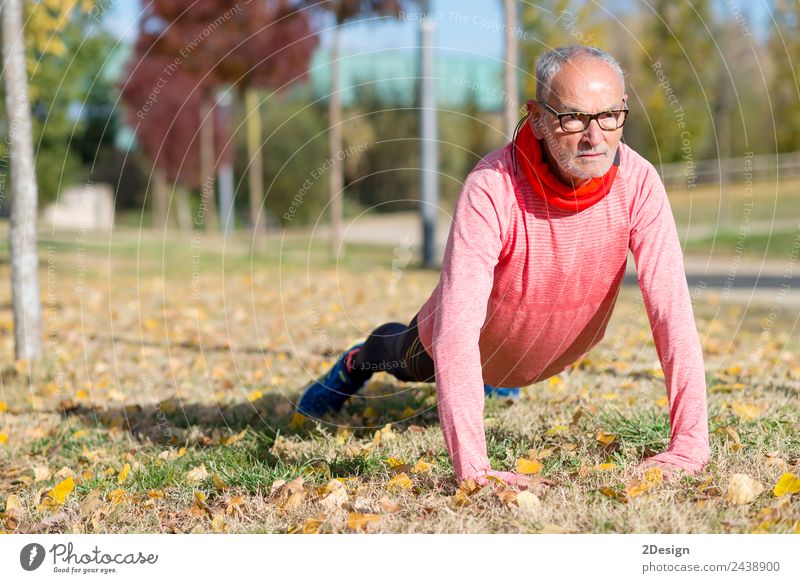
x=535, y=117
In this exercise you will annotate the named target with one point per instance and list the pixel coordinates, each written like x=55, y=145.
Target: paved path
x=737, y=281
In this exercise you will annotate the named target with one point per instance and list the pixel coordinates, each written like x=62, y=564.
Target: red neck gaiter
x=548, y=186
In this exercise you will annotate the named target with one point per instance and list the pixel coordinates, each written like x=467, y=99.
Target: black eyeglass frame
x=588, y=117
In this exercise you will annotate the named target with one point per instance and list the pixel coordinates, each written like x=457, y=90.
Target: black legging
x=396, y=349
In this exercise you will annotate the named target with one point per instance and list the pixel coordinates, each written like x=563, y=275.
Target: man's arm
x=659, y=263
x=472, y=251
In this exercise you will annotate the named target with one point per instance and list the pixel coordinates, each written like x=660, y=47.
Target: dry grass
x=138, y=369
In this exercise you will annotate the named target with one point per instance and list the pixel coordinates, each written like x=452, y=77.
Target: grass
x=193, y=388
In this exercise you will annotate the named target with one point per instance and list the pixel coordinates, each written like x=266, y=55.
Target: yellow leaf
x=407, y=412
x=613, y=494
x=61, y=491
x=746, y=412
x=3, y=438
x=743, y=489
x=155, y=494
x=13, y=502
x=117, y=496
x=609, y=396
x=557, y=429
x=788, y=483
x=421, y=467
x=254, y=395
x=80, y=433
x=3, y=407
x=527, y=467
x=218, y=523
x=297, y=421
x=219, y=484
x=606, y=467
x=605, y=438
x=124, y=473
x=394, y=462
x=400, y=482
x=662, y=402
x=358, y=521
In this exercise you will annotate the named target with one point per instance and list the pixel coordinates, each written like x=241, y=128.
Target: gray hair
x=549, y=64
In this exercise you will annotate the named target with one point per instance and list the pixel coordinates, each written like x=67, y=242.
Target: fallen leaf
x=91, y=503
x=117, y=496
x=400, y=482
x=609, y=492
x=528, y=467
x=197, y=474
x=14, y=512
x=528, y=501
x=61, y=491
x=650, y=479
x=743, y=489
x=388, y=505
x=124, y=473
x=41, y=473
x=335, y=496
x=358, y=521
x=605, y=438
x=606, y=467
x=788, y=483
x=218, y=523
x=745, y=411
x=421, y=467
x=219, y=484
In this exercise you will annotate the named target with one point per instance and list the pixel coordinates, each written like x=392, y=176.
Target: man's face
x=587, y=85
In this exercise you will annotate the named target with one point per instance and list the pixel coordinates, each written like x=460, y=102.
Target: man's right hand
x=512, y=479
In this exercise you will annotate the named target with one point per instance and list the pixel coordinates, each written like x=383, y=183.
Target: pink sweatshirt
x=527, y=289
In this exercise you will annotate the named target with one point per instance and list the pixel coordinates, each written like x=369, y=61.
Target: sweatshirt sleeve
x=662, y=279
x=472, y=251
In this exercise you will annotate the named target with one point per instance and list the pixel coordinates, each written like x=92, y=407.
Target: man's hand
x=670, y=471
x=535, y=484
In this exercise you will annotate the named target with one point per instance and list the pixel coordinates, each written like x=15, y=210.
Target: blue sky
x=463, y=25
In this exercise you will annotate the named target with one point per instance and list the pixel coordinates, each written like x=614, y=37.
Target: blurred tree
x=784, y=89
x=248, y=45
x=556, y=23
x=343, y=11
x=65, y=54
x=678, y=55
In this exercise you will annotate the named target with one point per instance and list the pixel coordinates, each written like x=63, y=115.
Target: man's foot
x=330, y=391
x=501, y=392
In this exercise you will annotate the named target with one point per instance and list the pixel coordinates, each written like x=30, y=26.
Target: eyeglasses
x=573, y=122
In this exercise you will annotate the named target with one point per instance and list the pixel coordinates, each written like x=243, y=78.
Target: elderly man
x=532, y=268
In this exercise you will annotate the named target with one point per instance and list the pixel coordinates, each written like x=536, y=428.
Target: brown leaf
x=743, y=489
x=388, y=505
x=358, y=521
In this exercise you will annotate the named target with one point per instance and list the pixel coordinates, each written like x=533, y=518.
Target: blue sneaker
x=330, y=391
x=501, y=392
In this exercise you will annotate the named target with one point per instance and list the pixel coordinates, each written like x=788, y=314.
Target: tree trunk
x=511, y=100
x=160, y=192
x=25, y=299
x=335, y=174
x=255, y=169
x=183, y=209
x=208, y=199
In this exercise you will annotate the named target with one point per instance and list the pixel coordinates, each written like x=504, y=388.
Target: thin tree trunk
x=511, y=60
x=183, y=209
x=26, y=303
x=255, y=172
x=336, y=178
x=160, y=200
x=208, y=199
